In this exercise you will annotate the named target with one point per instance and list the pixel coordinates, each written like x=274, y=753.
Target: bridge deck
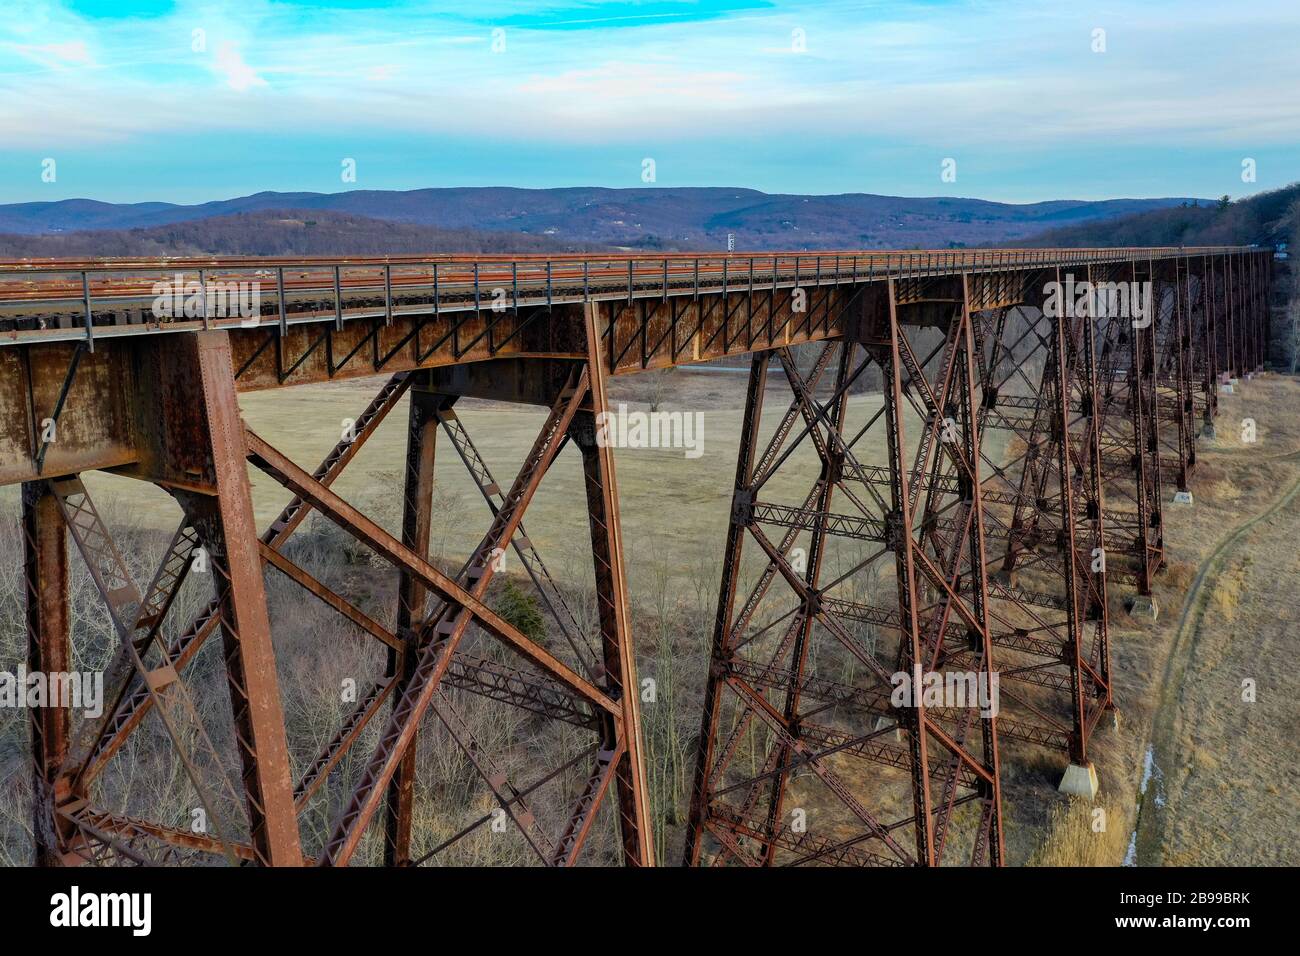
x=48, y=300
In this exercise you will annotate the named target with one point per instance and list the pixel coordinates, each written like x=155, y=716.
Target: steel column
x=899, y=524
x=48, y=651
x=224, y=521
x=417, y=514
x=617, y=648
x=726, y=604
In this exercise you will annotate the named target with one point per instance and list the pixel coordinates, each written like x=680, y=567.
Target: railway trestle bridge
x=974, y=518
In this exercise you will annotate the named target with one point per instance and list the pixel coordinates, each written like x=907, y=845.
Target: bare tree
x=1293, y=302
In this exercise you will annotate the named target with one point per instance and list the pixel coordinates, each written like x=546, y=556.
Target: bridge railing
x=45, y=299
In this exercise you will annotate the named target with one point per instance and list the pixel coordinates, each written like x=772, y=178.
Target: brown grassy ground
x=1228, y=765
x=1220, y=773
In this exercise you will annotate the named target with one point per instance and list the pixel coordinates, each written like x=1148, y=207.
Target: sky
x=1011, y=100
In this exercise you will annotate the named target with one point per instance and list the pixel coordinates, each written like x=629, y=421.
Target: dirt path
x=1168, y=760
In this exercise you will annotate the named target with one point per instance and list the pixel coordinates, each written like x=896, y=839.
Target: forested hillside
x=1265, y=219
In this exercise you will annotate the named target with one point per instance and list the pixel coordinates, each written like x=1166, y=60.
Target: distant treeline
x=280, y=233
x=1265, y=220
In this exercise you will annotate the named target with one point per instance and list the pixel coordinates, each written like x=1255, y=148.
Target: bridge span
x=1038, y=410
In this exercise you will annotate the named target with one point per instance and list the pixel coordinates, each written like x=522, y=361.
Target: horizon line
x=629, y=189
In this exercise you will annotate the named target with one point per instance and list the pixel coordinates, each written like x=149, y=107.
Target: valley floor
x=1204, y=772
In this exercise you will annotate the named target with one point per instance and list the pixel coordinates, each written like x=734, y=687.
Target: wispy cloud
x=936, y=77
x=54, y=56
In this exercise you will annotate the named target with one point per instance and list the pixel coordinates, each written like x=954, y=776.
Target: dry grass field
x=1205, y=776
x=1226, y=729
x=674, y=509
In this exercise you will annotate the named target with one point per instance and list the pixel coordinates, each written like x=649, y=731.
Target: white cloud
x=54, y=56
x=230, y=64
x=620, y=82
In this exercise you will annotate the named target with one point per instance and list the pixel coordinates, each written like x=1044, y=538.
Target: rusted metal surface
x=45, y=575
x=992, y=561
x=621, y=745
x=417, y=515
x=224, y=521
x=707, y=307
x=947, y=760
x=319, y=289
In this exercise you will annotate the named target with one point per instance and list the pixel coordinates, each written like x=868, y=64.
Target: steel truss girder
x=219, y=519
x=748, y=682
x=571, y=699
x=618, y=758
x=1056, y=630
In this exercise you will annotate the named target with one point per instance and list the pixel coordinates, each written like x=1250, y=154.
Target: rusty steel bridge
x=996, y=562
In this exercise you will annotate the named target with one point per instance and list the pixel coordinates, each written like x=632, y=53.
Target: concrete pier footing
x=1144, y=605
x=1080, y=781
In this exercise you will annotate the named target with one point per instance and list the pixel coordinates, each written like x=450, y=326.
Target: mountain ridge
x=649, y=218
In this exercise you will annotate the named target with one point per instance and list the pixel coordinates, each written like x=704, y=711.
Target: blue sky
x=191, y=100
